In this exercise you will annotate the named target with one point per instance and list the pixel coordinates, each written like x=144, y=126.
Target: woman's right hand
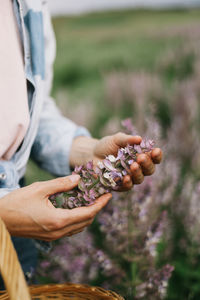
x=27, y=212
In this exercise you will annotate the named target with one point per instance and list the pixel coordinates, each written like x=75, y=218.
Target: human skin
x=85, y=148
x=27, y=212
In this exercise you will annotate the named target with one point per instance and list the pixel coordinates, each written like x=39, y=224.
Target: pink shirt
x=14, y=112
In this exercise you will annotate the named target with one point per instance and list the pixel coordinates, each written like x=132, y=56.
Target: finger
x=146, y=164
x=56, y=234
x=70, y=230
x=100, y=203
x=61, y=184
x=156, y=155
x=75, y=232
x=122, y=139
x=81, y=214
x=136, y=172
x=127, y=183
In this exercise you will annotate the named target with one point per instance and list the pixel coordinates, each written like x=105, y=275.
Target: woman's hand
x=27, y=212
x=85, y=149
x=145, y=164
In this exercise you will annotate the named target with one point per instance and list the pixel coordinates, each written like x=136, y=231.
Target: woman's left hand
x=145, y=164
x=86, y=149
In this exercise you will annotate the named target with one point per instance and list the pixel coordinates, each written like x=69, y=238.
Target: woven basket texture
x=67, y=291
x=17, y=289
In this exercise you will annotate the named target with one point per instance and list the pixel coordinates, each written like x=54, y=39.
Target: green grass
x=90, y=46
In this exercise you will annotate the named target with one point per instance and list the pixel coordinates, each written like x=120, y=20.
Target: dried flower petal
x=106, y=177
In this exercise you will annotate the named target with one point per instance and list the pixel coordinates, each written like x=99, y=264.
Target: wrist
x=82, y=150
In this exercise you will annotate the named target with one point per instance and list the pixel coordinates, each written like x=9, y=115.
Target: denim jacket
x=49, y=136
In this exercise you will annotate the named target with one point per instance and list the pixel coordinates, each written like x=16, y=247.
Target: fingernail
x=74, y=178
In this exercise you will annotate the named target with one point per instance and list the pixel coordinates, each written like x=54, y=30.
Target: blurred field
x=93, y=46
x=144, y=65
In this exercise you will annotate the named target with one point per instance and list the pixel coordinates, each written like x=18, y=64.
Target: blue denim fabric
x=27, y=254
x=8, y=175
x=50, y=134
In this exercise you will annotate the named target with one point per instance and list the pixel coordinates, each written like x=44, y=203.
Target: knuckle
x=58, y=224
x=90, y=221
x=149, y=172
x=55, y=224
x=141, y=159
x=55, y=235
x=138, y=179
x=63, y=181
x=91, y=215
x=70, y=234
x=152, y=171
x=135, y=168
x=118, y=136
x=141, y=179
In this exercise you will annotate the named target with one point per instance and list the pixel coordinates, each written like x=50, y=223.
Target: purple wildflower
x=106, y=177
x=127, y=124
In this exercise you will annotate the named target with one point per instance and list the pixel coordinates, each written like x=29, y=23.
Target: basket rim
x=69, y=286
x=42, y=289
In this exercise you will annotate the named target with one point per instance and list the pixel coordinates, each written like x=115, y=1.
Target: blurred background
x=122, y=59
x=62, y=7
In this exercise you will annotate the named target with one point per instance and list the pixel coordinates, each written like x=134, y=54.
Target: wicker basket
x=17, y=288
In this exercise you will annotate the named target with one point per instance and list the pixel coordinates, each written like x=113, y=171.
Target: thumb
x=61, y=184
x=122, y=139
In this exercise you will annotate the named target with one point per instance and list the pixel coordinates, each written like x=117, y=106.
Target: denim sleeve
x=52, y=145
x=9, y=179
x=6, y=191
x=51, y=148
